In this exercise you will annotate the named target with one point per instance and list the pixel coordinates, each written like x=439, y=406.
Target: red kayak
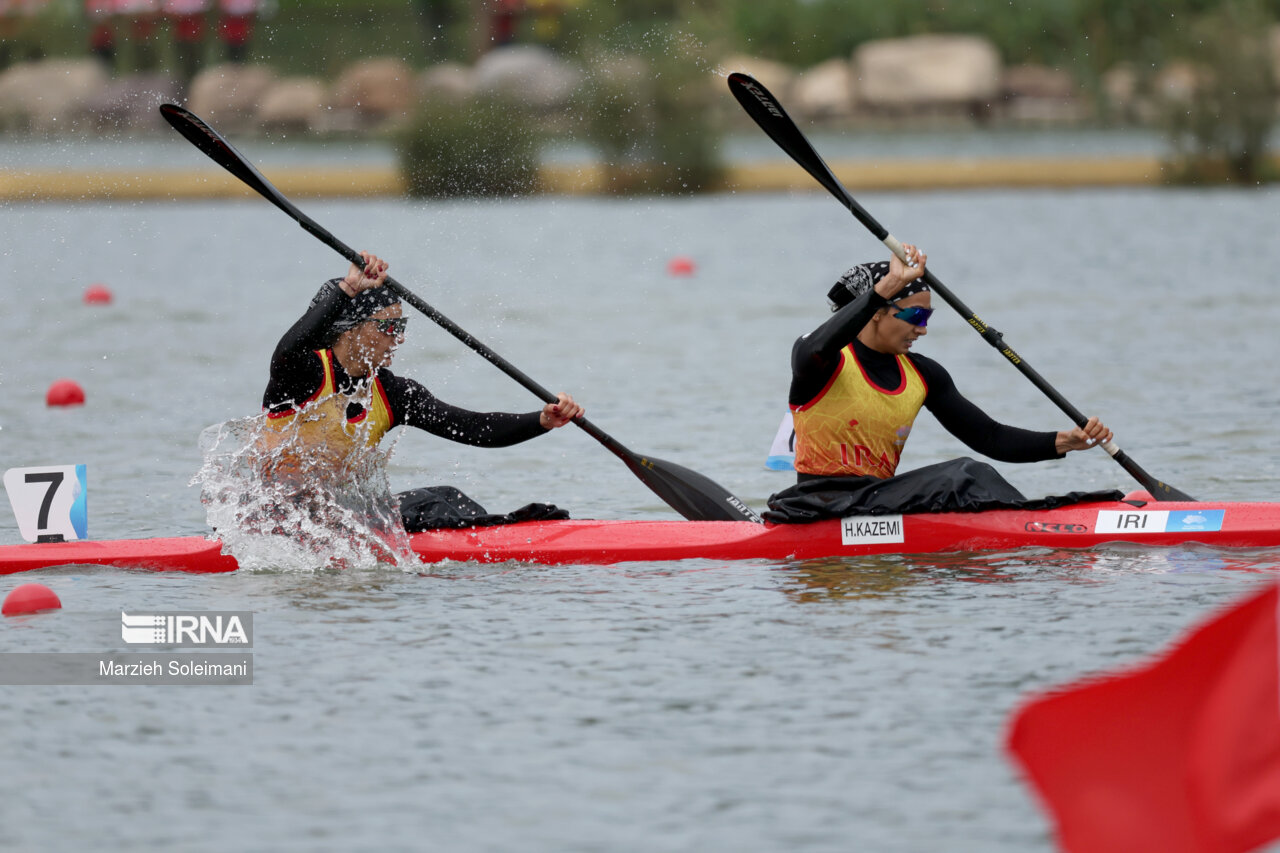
x=1086, y=525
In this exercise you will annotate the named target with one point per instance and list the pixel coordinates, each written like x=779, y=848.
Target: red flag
x=1179, y=755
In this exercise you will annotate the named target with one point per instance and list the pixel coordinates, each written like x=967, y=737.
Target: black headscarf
x=355, y=309
x=861, y=278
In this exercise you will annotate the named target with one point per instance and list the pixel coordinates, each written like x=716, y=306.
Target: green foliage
x=685, y=142
x=320, y=37
x=657, y=132
x=481, y=148
x=1223, y=130
x=1092, y=35
x=650, y=117
x=55, y=30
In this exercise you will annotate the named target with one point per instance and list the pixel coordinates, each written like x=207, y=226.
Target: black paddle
x=687, y=492
x=764, y=108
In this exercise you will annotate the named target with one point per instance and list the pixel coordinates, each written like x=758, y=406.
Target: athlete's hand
x=372, y=274
x=559, y=413
x=1093, y=433
x=901, y=274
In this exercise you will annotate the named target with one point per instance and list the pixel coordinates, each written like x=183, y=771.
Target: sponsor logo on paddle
x=741, y=507
x=765, y=100
x=871, y=530
x=188, y=629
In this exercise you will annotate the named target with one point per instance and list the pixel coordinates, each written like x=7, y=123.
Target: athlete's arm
x=815, y=356
x=296, y=372
x=412, y=404
x=309, y=333
x=982, y=433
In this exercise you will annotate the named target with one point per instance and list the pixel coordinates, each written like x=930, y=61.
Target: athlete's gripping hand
x=372, y=274
x=1093, y=433
x=901, y=274
x=559, y=413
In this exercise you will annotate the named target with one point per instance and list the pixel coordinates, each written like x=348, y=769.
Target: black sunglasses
x=394, y=326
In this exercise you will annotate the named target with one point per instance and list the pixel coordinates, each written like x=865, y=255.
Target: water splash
x=283, y=504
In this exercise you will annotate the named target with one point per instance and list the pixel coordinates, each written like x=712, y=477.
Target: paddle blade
x=220, y=151
x=1164, y=492
x=1159, y=489
x=693, y=495
x=765, y=111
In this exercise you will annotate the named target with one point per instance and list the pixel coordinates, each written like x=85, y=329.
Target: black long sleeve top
x=816, y=356
x=297, y=373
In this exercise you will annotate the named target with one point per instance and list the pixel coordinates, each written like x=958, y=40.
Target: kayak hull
x=1088, y=525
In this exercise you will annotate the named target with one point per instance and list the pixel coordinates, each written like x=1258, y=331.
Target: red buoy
x=65, y=392
x=97, y=294
x=30, y=598
x=681, y=265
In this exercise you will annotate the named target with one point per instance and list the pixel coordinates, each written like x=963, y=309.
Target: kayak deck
x=1229, y=525
x=179, y=553
x=1234, y=525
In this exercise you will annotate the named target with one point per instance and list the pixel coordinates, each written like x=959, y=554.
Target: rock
x=1120, y=86
x=1039, y=93
x=1176, y=82
x=449, y=81
x=294, y=103
x=1037, y=81
x=132, y=103
x=954, y=72
x=529, y=75
x=228, y=95
x=49, y=95
x=616, y=79
x=1120, y=92
x=382, y=89
x=825, y=91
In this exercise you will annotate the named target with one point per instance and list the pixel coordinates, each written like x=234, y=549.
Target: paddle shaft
x=693, y=495
x=764, y=108
x=311, y=227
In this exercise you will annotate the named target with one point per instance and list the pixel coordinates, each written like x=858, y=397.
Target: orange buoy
x=681, y=265
x=30, y=598
x=64, y=392
x=97, y=294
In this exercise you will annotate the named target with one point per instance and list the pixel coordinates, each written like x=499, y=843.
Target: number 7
x=54, y=479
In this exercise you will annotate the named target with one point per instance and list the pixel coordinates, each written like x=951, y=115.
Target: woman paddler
x=331, y=390
x=856, y=388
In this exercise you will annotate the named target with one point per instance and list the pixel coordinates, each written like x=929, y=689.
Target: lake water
x=752, y=706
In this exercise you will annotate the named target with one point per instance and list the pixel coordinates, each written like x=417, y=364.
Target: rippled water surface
x=756, y=706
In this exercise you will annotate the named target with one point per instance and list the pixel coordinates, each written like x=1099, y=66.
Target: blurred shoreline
x=164, y=167
x=365, y=181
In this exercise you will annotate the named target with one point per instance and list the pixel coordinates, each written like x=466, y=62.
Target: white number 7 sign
x=49, y=502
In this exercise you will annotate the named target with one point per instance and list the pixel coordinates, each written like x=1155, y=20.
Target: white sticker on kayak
x=1137, y=521
x=1159, y=521
x=871, y=529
